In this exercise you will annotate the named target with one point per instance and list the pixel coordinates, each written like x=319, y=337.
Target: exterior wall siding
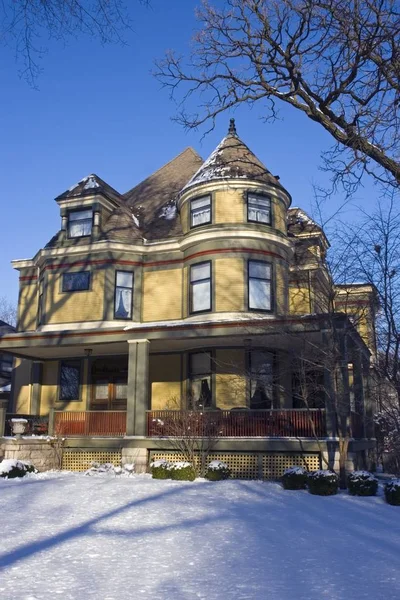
x=162, y=295
x=27, y=306
x=70, y=307
x=230, y=379
x=22, y=386
x=229, y=284
x=165, y=381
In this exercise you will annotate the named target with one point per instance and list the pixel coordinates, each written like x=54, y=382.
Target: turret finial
x=232, y=127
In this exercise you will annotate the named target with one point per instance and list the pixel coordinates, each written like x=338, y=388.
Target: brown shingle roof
x=153, y=200
x=233, y=159
x=89, y=185
x=121, y=226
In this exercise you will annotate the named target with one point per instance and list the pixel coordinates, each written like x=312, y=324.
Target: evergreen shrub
x=392, y=492
x=217, y=471
x=323, y=483
x=294, y=478
x=362, y=483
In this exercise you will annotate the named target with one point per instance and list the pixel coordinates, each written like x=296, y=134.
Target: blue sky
x=98, y=109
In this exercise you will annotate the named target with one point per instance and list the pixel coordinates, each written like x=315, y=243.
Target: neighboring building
x=198, y=288
x=6, y=365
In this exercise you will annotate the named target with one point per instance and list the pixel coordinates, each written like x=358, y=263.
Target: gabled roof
x=153, y=200
x=89, y=185
x=232, y=159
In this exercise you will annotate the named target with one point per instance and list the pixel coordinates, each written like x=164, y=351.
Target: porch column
x=368, y=401
x=359, y=387
x=138, y=387
x=343, y=387
x=329, y=391
x=36, y=382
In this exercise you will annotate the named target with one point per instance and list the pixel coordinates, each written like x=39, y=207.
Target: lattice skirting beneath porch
x=78, y=460
x=245, y=465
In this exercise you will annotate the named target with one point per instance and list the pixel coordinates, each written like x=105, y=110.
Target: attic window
x=258, y=209
x=200, y=211
x=80, y=223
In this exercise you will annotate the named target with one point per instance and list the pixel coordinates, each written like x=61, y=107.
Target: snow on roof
x=168, y=211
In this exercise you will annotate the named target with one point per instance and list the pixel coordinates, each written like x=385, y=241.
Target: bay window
x=123, y=295
x=258, y=209
x=200, y=211
x=200, y=287
x=259, y=285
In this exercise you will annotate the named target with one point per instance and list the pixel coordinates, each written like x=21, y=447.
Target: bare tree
x=23, y=25
x=8, y=311
x=336, y=61
x=373, y=256
x=192, y=433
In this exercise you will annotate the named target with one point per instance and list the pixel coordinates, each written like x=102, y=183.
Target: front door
x=109, y=394
x=109, y=384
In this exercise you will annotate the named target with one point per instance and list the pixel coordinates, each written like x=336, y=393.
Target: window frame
x=209, y=375
x=191, y=283
x=77, y=362
x=271, y=290
x=250, y=363
x=130, y=318
x=262, y=197
x=191, y=225
x=79, y=289
x=80, y=210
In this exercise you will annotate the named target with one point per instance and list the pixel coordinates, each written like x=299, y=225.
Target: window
x=259, y=285
x=200, y=287
x=261, y=380
x=70, y=377
x=258, y=209
x=200, y=211
x=79, y=223
x=73, y=282
x=200, y=380
x=6, y=363
x=123, y=295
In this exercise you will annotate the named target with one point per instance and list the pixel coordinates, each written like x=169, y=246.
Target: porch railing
x=232, y=423
x=111, y=423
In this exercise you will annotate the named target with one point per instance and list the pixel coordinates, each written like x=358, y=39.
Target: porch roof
x=170, y=336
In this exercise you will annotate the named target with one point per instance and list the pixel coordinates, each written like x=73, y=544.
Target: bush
x=294, y=478
x=323, y=483
x=362, y=483
x=182, y=471
x=161, y=469
x=10, y=468
x=217, y=470
x=392, y=492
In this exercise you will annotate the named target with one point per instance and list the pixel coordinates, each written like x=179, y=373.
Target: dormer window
x=80, y=223
x=200, y=211
x=258, y=209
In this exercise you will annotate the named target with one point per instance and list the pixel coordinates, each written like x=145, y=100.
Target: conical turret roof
x=232, y=159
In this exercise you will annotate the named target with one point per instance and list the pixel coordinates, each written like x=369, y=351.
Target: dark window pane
x=69, y=380
x=123, y=295
x=200, y=211
x=80, y=223
x=76, y=281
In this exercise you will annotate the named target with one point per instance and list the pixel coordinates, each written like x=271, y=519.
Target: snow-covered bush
x=323, y=483
x=217, y=470
x=294, y=478
x=10, y=468
x=160, y=469
x=109, y=469
x=362, y=483
x=392, y=492
x=183, y=471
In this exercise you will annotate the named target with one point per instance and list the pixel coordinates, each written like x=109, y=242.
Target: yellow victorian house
x=200, y=289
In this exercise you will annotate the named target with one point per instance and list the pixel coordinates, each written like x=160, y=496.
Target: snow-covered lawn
x=68, y=536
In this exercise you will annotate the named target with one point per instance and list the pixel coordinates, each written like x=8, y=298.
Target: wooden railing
x=111, y=423
x=232, y=423
x=357, y=425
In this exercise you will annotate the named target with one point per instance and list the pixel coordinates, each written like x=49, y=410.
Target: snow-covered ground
x=68, y=536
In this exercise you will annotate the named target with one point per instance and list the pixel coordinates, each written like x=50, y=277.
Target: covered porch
x=240, y=378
